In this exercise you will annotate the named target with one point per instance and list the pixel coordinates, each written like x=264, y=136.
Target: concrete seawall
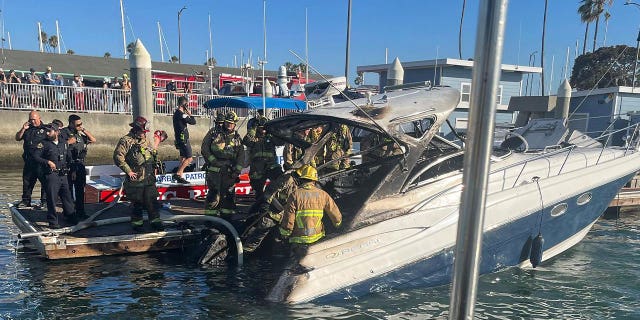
x=107, y=128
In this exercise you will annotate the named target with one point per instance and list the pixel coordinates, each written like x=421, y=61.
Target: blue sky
x=410, y=29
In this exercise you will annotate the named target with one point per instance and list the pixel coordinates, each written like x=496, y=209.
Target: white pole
x=306, y=46
x=235, y=61
x=40, y=37
x=58, y=35
x=386, y=55
x=435, y=68
x=210, y=41
x=566, y=64
x=9, y=38
x=264, y=81
x=124, y=36
x=160, y=39
x=553, y=59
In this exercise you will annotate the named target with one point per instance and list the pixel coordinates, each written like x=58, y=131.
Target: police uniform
x=32, y=170
x=302, y=216
x=222, y=152
x=133, y=153
x=181, y=132
x=77, y=171
x=262, y=157
x=56, y=180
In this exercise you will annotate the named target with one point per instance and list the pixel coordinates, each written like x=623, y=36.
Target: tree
x=107, y=55
x=211, y=62
x=464, y=3
x=295, y=67
x=130, y=46
x=590, y=11
x=53, y=42
x=70, y=51
x=607, y=16
x=174, y=59
x=613, y=64
x=43, y=38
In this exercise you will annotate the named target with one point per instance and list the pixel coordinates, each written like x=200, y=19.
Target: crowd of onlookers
x=47, y=90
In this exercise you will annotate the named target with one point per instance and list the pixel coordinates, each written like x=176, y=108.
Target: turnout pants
x=143, y=195
x=221, y=192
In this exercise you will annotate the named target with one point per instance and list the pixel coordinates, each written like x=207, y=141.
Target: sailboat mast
x=58, y=35
x=306, y=46
x=492, y=19
x=160, y=40
x=40, y=36
x=346, y=64
x=264, y=32
x=210, y=42
x=124, y=36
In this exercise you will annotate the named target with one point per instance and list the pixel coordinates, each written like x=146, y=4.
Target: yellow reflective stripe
x=307, y=213
x=307, y=239
x=263, y=154
x=239, y=167
x=285, y=232
x=339, y=224
x=213, y=169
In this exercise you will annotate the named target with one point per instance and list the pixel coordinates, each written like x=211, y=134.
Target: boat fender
x=536, y=250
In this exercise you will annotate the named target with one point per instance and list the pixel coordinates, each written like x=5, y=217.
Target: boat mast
x=306, y=46
x=210, y=42
x=40, y=36
x=346, y=64
x=160, y=39
x=58, y=35
x=124, y=36
x=482, y=109
x=264, y=61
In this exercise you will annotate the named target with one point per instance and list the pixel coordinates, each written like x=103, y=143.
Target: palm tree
x=70, y=51
x=107, y=55
x=130, y=46
x=607, y=16
x=464, y=3
x=174, y=59
x=544, y=29
x=53, y=42
x=598, y=10
x=585, y=16
x=211, y=62
x=43, y=38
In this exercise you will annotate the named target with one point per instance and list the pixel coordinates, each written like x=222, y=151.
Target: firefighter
x=339, y=148
x=270, y=209
x=375, y=147
x=262, y=157
x=315, y=136
x=32, y=133
x=219, y=121
x=78, y=139
x=302, y=217
x=137, y=158
x=222, y=152
x=55, y=157
x=291, y=153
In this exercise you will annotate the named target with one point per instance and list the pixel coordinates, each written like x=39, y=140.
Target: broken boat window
x=439, y=159
x=417, y=128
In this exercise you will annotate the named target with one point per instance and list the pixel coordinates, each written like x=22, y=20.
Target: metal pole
x=306, y=46
x=180, y=37
x=635, y=65
x=160, y=39
x=482, y=109
x=124, y=36
x=264, y=81
x=58, y=35
x=346, y=64
x=210, y=42
x=40, y=37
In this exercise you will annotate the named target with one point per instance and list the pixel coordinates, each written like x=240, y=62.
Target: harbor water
x=597, y=279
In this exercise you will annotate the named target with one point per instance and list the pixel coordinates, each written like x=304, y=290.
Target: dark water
x=597, y=279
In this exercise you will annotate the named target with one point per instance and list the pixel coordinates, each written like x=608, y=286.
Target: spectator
x=170, y=96
x=60, y=97
x=171, y=86
x=78, y=94
x=31, y=77
x=126, y=97
x=3, y=87
x=115, y=101
x=106, y=94
x=48, y=80
x=14, y=81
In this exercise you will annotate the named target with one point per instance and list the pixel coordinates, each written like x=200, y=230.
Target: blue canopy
x=256, y=103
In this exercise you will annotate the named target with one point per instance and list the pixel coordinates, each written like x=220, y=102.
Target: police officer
x=55, y=157
x=136, y=157
x=222, y=152
x=262, y=157
x=32, y=134
x=78, y=139
x=181, y=119
x=302, y=217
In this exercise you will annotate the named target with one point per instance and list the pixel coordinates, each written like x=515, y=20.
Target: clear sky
x=410, y=29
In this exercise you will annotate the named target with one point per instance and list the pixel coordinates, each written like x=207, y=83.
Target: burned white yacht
x=400, y=211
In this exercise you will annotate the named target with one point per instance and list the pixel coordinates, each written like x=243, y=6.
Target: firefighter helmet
x=307, y=172
x=220, y=117
x=261, y=121
x=231, y=117
x=140, y=123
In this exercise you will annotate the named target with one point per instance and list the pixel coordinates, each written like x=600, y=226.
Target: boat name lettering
x=354, y=249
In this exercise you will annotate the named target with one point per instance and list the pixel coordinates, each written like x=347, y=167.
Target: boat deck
x=115, y=237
